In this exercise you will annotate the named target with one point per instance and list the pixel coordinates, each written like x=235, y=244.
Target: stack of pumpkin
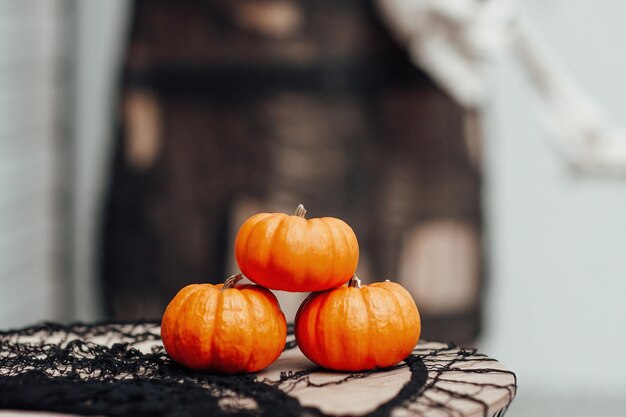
x=230, y=328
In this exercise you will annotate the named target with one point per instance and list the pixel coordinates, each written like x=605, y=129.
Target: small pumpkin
x=291, y=253
x=356, y=328
x=224, y=328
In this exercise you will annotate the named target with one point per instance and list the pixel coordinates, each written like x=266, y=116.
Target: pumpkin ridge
x=347, y=243
x=219, y=307
x=320, y=334
x=398, y=304
x=253, y=335
x=244, y=234
x=249, y=236
x=412, y=305
x=365, y=294
x=298, y=275
x=270, y=262
x=330, y=237
x=199, y=304
x=183, y=306
x=335, y=340
x=407, y=301
x=348, y=339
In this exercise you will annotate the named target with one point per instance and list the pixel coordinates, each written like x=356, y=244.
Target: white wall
x=58, y=67
x=32, y=152
x=558, y=242
x=100, y=39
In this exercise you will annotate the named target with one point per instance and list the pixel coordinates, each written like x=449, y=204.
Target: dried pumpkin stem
x=300, y=211
x=354, y=282
x=232, y=281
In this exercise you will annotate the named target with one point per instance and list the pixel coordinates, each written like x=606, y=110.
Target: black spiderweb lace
x=121, y=369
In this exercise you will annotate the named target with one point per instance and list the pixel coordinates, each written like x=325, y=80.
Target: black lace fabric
x=121, y=369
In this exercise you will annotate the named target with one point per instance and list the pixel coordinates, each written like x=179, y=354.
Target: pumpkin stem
x=232, y=281
x=300, y=211
x=354, y=282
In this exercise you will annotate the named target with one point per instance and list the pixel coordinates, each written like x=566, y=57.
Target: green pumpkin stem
x=300, y=211
x=354, y=282
x=232, y=281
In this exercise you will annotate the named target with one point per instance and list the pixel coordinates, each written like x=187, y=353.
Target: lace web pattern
x=121, y=369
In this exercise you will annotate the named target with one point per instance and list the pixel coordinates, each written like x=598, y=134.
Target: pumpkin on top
x=291, y=253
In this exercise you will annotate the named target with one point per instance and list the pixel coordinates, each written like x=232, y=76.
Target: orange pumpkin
x=292, y=253
x=356, y=328
x=223, y=328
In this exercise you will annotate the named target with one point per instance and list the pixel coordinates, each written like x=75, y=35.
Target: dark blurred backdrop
x=232, y=107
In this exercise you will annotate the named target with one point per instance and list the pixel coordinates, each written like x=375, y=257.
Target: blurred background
x=136, y=137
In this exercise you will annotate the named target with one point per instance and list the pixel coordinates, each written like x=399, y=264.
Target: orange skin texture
x=233, y=331
x=290, y=253
x=357, y=329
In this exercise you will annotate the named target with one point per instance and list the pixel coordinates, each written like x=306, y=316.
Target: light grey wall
x=58, y=66
x=557, y=242
x=100, y=37
x=32, y=152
